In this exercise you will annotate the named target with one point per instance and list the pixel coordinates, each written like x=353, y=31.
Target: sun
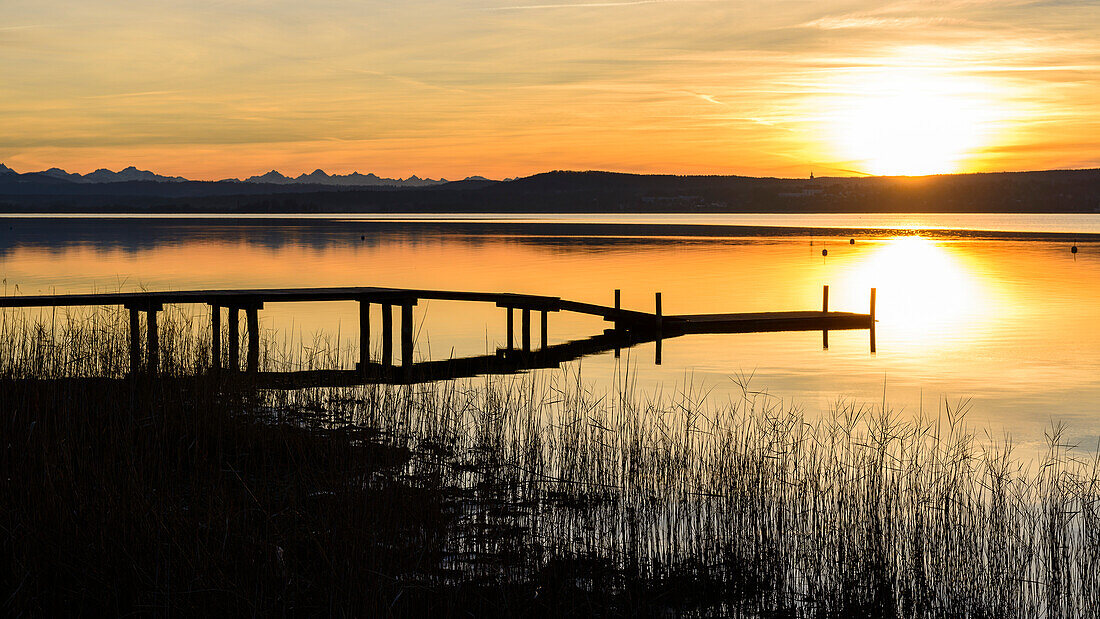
x=910, y=120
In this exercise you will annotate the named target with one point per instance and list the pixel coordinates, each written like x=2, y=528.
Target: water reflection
x=1012, y=324
x=926, y=290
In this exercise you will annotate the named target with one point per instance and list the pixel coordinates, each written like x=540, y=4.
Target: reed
x=198, y=492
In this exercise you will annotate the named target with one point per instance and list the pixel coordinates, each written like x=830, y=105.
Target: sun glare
x=924, y=288
x=909, y=120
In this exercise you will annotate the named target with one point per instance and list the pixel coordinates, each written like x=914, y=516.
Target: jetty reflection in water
x=630, y=328
x=1010, y=322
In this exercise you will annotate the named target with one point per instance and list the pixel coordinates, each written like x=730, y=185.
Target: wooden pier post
x=364, y=334
x=545, y=337
x=215, y=336
x=628, y=323
x=660, y=326
x=660, y=318
x=152, y=340
x=252, y=314
x=135, y=342
x=387, y=334
x=406, y=335
x=234, y=317
x=525, y=325
x=873, y=291
x=618, y=307
x=511, y=327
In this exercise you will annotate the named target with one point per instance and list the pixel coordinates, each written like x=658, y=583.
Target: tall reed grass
x=508, y=495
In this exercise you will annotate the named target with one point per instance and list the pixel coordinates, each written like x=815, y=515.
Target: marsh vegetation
x=196, y=492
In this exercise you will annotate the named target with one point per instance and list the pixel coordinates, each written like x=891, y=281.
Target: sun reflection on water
x=924, y=288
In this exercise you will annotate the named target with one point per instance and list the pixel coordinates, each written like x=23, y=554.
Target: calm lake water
x=1008, y=321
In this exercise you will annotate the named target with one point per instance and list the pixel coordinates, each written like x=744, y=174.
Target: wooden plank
x=607, y=313
x=406, y=335
x=545, y=331
x=253, y=364
x=525, y=327
x=135, y=342
x=387, y=334
x=872, y=317
x=234, y=338
x=510, y=326
x=387, y=297
x=215, y=336
x=553, y=356
x=701, y=318
x=769, y=322
x=152, y=337
x=659, y=317
x=239, y=298
x=245, y=297
x=364, y=332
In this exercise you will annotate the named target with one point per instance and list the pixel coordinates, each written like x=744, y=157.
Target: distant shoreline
x=1056, y=191
x=357, y=224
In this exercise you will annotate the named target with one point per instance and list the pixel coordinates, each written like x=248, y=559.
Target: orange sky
x=448, y=89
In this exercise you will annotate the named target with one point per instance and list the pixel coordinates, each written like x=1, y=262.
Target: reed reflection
x=1008, y=322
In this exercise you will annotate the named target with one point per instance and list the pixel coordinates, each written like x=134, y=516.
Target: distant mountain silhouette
x=272, y=177
x=317, y=177
x=103, y=175
x=355, y=179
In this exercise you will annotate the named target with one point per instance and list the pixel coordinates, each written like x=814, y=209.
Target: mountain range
x=1050, y=191
x=317, y=177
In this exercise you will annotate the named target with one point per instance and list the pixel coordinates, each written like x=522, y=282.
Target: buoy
x=1073, y=250
x=851, y=241
x=362, y=238
x=824, y=252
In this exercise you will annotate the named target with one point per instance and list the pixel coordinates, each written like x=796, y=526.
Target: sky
x=210, y=90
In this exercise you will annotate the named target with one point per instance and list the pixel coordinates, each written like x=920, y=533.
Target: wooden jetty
x=631, y=327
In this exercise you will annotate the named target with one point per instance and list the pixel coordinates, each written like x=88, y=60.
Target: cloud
x=845, y=22
x=586, y=5
x=129, y=95
x=685, y=85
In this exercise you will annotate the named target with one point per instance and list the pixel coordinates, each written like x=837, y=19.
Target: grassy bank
x=198, y=494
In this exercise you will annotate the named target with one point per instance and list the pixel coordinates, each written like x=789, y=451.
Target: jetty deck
x=630, y=326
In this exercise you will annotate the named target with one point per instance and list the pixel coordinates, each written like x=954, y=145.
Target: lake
x=1005, y=323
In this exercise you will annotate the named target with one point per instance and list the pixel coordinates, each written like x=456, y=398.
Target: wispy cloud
x=447, y=88
x=845, y=22
x=586, y=5
x=408, y=81
x=134, y=95
x=709, y=98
